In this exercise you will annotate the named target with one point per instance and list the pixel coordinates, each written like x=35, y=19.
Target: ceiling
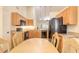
x=44, y=11
x=57, y=8
x=51, y=8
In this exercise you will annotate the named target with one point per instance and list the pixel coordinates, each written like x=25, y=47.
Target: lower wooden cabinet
x=34, y=34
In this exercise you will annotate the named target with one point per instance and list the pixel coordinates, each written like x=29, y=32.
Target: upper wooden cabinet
x=29, y=22
x=72, y=15
x=65, y=18
x=16, y=18
x=69, y=15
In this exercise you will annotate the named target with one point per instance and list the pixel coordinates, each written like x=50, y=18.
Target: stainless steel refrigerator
x=56, y=25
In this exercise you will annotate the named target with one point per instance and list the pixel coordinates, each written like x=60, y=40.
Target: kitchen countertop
x=71, y=42
x=73, y=34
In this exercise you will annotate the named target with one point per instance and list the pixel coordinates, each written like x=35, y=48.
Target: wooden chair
x=57, y=40
x=17, y=38
x=4, y=45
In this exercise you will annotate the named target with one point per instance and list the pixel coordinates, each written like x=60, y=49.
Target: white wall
x=1, y=22
x=31, y=13
x=53, y=14
x=7, y=18
x=21, y=10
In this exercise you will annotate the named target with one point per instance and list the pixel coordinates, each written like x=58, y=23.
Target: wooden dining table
x=35, y=45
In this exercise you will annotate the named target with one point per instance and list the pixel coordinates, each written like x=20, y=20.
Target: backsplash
x=43, y=25
x=73, y=28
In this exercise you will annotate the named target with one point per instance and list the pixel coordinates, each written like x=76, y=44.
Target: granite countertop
x=71, y=35
x=71, y=42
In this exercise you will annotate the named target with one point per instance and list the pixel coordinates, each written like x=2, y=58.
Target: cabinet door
x=34, y=34
x=15, y=19
x=69, y=15
x=65, y=19
x=29, y=22
x=64, y=15
x=72, y=15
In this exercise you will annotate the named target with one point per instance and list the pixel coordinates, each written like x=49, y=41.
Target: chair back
x=17, y=38
x=57, y=40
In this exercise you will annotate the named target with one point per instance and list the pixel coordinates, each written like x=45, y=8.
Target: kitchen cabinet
x=16, y=18
x=38, y=34
x=72, y=15
x=69, y=15
x=34, y=34
x=29, y=22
